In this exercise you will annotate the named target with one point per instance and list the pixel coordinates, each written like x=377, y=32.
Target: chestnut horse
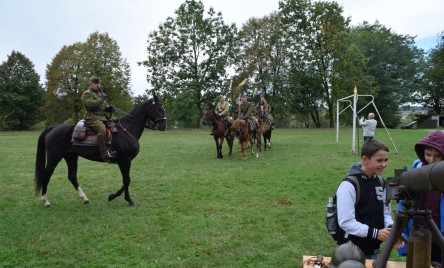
x=245, y=135
x=220, y=132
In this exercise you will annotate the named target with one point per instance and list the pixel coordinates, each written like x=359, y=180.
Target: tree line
x=301, y=58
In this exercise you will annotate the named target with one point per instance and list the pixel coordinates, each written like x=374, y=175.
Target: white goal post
x=351, y=105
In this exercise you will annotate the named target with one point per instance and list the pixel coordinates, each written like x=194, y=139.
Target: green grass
x=193, y=210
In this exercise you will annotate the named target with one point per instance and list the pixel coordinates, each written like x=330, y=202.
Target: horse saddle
x=84, y=135
x=251, y=124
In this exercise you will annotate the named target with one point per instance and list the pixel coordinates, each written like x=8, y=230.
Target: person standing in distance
x=95, y=106
x=368, y=126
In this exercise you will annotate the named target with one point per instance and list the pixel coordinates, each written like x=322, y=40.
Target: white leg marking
x=82, y=195
x=44, y=198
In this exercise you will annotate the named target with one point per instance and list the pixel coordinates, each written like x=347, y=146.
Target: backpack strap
x=354, y=181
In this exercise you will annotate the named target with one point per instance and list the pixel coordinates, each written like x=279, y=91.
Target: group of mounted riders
x=248, y=111
x=94, y=102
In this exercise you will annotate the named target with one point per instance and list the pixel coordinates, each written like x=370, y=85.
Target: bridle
x=148, y=124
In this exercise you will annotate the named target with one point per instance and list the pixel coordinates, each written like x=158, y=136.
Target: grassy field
x=193, y=210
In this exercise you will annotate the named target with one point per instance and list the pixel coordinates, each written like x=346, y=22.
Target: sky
x=39, y=29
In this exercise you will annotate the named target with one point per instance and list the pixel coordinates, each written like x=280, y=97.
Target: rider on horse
x=95, y=105
x=245, y=112
x=263, y=110
x=222, y=109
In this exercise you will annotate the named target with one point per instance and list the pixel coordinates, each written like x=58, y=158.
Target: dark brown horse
x=242, y=130
x=267, y=138
x=267, y=123
x=220, y=132
x=55, y=144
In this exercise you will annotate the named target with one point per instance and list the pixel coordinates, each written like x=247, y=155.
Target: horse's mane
x=239, y=123
x=139, y=108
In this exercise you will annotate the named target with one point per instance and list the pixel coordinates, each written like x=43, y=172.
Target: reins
x=142, y=123
x=136, y=121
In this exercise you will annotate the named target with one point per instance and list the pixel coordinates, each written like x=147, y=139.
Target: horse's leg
x=72, y=163
x=251, y=143
x=230, y=144
x=258, y=143
x=220, y=147
x=125, y=167
x=265, y=142
x=244, y=156
x=49, y=170
x=216, y=140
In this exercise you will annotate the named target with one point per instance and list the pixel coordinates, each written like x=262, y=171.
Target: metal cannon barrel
x=424, y=179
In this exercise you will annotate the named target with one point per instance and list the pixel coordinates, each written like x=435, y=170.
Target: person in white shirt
x=368, y=126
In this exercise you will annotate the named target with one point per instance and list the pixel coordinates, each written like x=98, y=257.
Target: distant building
x=434, y=121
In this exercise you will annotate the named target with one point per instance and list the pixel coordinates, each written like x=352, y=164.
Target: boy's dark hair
x=370, y=148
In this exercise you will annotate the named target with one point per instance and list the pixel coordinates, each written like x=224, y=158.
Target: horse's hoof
x=48, y=206
x=86, y=202
x=132, y=204
x=111, y=197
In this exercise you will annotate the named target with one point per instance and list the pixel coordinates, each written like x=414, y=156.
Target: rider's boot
x=105, y=153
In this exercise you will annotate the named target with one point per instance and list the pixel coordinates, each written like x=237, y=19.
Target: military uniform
x=222, y=108
x=95, y=107
x=244, y=110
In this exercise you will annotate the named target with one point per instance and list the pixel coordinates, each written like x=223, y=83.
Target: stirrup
x=108, y=154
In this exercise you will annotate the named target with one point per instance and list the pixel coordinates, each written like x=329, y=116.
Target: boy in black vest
x=367, y=224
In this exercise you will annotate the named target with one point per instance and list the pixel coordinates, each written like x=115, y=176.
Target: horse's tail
x=40, y=161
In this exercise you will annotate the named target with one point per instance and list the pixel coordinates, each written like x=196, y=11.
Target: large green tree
x=21, y=94
x=103, y=58
x=188, y=57
x=64, y=79
x=393, y=60
x=69, y=72
x=317, y=34
x=431, y=91
x=261, y=58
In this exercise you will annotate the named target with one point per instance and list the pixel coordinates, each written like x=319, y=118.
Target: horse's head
x=157, y=115
x=208, y=116
x=261, y=111
x=238, y=128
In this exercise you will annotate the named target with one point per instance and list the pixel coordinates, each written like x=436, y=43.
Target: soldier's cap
x=94, y=79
